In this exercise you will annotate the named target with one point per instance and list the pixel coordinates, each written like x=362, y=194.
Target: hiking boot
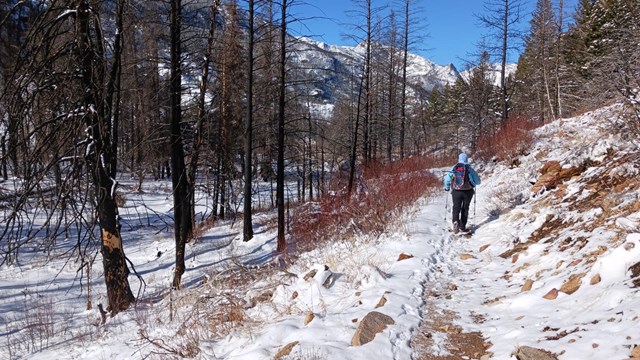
x=456, y=227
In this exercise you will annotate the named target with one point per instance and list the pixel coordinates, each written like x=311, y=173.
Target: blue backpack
x=460, y=179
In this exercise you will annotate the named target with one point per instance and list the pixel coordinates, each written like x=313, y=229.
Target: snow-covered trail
x=364, y=275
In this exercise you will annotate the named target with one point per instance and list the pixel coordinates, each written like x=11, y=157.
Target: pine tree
x=536, y=74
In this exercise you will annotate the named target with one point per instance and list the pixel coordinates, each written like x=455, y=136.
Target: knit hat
x=463, y=158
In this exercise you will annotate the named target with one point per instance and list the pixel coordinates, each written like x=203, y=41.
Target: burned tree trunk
x=101, y=157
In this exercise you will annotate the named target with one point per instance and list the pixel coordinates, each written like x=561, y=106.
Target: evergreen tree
x=536, y=74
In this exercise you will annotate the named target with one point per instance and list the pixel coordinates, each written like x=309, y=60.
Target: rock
x=484, y=247
x=383, y=300
x=285, y=350
x=466, y=256
x=595, y=279
x=310, y=275
x=599, y=251
x=635, y=270
x=552, y=294
x=309, y=318
x=294, y=295
x=326, y=278
x=575, y=262
x=573, y=284
x=528, y=284
x=372, y=324
x=404, y=256
x=453, y=287
x=449, y=329
x=629, y=246
x=635, y=353
x=550, y=167
x=514, y=258
x=552, y=174
x=529, y=353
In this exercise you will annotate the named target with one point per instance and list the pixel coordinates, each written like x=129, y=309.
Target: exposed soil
x=459, y=344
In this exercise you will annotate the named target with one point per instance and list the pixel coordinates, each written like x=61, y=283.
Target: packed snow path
x=365, y=274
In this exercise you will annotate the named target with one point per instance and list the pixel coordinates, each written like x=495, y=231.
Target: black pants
x=461, y=204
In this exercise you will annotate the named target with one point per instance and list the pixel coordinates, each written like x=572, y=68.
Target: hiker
x=462, y=179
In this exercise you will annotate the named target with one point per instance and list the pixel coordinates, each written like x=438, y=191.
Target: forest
x=215, y=96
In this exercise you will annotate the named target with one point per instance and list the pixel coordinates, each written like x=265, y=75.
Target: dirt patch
x=438, y=322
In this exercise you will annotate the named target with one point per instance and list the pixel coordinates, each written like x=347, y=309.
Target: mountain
x=329, y=69
x=495, y=72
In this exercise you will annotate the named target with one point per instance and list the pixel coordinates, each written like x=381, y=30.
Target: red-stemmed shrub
x=513, y=138
x=383, y=192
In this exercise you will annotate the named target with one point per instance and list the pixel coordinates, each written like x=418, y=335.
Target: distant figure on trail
x=462, y=179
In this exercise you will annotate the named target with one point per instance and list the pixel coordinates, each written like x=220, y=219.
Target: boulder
x=552, y=294
x=383, y=300
x=552, y=174
x=372, y=324
x=309, y=318
x=573, y=284
x=530, y=353
x=285, y=350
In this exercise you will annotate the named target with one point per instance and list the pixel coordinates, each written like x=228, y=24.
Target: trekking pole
x=446, y=206
x=475, y=198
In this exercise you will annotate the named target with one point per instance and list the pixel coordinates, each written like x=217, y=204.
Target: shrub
x=513, y=138
x=385, y=192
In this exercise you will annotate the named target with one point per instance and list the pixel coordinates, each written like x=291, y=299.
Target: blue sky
x=451, y=30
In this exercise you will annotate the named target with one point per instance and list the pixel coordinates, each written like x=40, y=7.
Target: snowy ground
x=547, y=238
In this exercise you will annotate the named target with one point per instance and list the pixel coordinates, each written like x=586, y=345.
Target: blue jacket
x=474, y=179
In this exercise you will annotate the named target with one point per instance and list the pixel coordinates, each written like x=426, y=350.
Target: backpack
x=460, y=179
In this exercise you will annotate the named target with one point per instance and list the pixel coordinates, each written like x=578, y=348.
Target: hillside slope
x=556, y=265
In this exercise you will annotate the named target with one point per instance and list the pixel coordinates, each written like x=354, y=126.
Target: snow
x=599, y=321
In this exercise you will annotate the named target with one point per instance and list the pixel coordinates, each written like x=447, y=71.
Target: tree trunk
x=557, y=67
x=101, y=156
x=503, y=69
x=4, y=159
x=403, y=105
x=282, y=244
x=248, y=145
x=181, y=189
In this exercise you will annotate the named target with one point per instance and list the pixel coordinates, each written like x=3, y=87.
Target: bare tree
x=281, y=128
x=65, y=94
x=248, y=140
x=179, y=177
